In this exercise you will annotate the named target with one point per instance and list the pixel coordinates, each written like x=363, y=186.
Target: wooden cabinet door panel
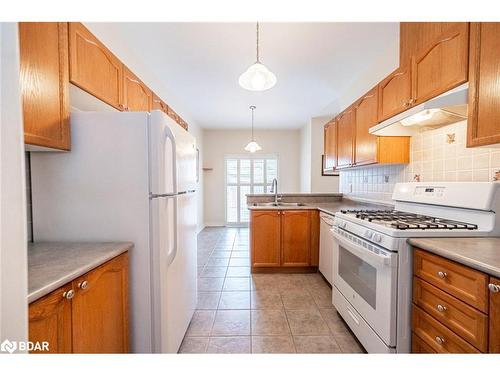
x=483, y=126
x=395, y=93
x=494, y=317
x=44, y=83
x=265, y=238
x=419, y=346
x=296, y=238
x=330, y=145
x=50, y=320
x=345, y=138
x=136, y=95
x=466, y=321
x=437, y=336
x=93, y=67
x=462, y=282
x=366, y=116
x=443, y=65
x=100, y=310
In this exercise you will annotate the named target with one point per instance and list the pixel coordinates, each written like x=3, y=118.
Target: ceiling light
x=257, y=77
x=252, y=146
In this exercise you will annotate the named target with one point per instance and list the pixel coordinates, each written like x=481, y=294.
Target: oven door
x=366, y=275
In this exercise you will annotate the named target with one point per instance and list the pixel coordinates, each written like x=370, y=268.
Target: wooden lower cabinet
x=44, y=82
x=265, y=227
x=295, y=238
x=50, y=321
x=455, y=310
x=494, y=287
x=87, y=315
x=284, y=239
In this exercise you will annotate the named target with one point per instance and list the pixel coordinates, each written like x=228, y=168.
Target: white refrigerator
x=129, y=177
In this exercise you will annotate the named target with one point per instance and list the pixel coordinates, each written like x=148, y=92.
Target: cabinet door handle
x=69, y=294
x=440, y=340
x=441, y=308
x=83, y=285
x=494, y=288
x=442, y=275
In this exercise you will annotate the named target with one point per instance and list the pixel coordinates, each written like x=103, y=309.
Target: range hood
x=442, y=110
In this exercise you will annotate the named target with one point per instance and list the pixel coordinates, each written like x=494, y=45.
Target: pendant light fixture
x=257, y=77
x=252, y=146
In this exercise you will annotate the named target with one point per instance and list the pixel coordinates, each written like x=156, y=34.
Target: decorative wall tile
x=435, y=155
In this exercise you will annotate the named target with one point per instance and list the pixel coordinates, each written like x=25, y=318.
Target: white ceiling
x=315, y=63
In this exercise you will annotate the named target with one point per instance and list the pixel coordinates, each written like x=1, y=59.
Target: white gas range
x=372, y=263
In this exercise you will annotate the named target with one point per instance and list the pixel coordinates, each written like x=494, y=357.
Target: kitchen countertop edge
x=432, y=246
x=50, y=286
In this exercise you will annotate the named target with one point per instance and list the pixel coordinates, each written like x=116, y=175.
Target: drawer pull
x=69, y=294
x=441, y=308
x=442, y=274
x=83, y=284
x=440, y=340
x=494, y=288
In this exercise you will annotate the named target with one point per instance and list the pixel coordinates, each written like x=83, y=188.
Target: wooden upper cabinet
x=50, y=321
x=44, y=83
x=366, y=116
x=136, y=95
x=93, y=67
x=159, y=104
x=100, y=309
x=330, y=145
x=483, y=127
x=442, y=64
x=296, y=238
x=265, y=227
x=494, y=315
x=395, y=93
x=345, y=137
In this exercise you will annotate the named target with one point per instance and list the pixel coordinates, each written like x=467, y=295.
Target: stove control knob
x=368, y=234
x=377, y=237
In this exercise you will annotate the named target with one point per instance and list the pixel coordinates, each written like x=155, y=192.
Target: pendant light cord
x=258, y=57
x=252, y=107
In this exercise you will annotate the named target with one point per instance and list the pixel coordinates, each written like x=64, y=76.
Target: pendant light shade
x=252, y=146
x=257, y=77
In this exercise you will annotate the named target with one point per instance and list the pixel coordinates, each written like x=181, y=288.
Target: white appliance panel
x=99, y=192
x=326, y=247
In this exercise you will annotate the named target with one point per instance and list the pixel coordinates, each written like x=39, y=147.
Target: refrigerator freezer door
x=174, y=269
x=162, y=156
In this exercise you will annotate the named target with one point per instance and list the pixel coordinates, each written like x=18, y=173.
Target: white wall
x=305, y=158
x=119, y=46
x=13, y=234
x=218, y=143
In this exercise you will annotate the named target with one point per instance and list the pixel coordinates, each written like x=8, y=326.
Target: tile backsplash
x=435, y=155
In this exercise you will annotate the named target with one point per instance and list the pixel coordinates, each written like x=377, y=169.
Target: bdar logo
x=8, y=346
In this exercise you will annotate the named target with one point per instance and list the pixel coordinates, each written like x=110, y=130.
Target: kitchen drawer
x=419, y=346
x=465, y=321
x=437, y=336
x=466, y=284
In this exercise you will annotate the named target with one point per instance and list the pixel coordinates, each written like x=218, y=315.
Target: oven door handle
x=363, y=253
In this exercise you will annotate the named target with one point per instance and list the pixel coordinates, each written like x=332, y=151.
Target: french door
x=246, y=175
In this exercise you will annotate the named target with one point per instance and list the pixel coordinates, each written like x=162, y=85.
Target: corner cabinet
x=483, y=127
x=284, y=239
x=44, y=71
x=93, y=67
x=330, y=146
x=87, y=315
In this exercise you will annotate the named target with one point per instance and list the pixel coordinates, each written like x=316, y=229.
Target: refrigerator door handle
x=171, y=253
x=170, y=135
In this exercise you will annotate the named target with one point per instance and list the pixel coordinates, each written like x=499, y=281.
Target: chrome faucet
x=274, y=189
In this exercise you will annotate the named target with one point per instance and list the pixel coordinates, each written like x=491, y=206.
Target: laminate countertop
x=330, y=207
x=482, y=254
x=54, y=264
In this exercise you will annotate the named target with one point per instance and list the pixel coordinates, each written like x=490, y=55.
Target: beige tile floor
x=239, y=312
